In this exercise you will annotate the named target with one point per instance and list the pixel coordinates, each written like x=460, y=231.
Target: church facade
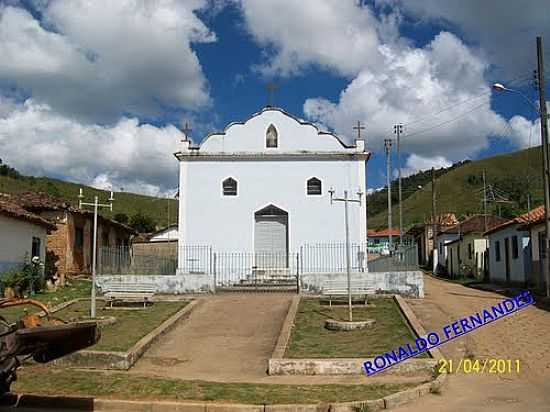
x=262, y=186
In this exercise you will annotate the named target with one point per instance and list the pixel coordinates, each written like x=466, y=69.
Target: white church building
x=262, y=187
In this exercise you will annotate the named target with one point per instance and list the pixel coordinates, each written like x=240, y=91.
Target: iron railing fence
x=241, y=267
x=403, y=258
x=125, y=260
x=331, y=257
x=248, y=269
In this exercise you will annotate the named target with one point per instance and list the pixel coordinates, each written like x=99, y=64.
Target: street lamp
x=499, y=87
x=95, y=205
x=347, y=200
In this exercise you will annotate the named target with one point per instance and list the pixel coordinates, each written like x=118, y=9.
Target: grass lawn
x=131, y=325
x=49, y=381
x=76, y=288
x=310, y=339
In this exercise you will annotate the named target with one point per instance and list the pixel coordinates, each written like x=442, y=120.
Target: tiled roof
x=475, y=224
x=534, y=216
x=11, y=209
x=36, y=202
x=383, y=232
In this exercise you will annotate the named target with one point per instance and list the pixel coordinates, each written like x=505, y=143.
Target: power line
x=422, y=131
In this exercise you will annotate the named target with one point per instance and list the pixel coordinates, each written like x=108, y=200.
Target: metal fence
x=128, y=261
x=331, y=257
x=230, y=268
x=403, y=258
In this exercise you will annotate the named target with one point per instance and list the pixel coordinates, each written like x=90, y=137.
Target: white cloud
x=505, y=29
x=523, y=132
x=416, y=163
x=98, y=60
x=127, y=154
x=335, y=34
x=415, y=84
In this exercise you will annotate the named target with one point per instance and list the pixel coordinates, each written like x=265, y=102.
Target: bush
x=23, y=279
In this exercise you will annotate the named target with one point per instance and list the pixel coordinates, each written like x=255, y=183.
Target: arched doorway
x=271, y=238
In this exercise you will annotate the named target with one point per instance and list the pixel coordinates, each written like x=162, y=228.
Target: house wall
x=443, y=248
x=473, y=260
x=16, y=241
x=169, y=234
x=164, y=249
x=537, y=272
x=518, y=266
x=63, y=253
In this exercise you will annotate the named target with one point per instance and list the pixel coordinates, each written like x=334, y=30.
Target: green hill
x=130, y=204
x=511, y=176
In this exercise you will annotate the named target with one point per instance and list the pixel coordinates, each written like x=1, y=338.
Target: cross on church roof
x=271, y=87
x=358, y=128
x=186, y=129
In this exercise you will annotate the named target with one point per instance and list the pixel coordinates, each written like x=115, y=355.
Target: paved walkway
x=524, y=335
x=227, y=336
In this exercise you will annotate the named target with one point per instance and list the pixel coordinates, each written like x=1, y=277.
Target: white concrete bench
x=334, y=288
x=128, y=292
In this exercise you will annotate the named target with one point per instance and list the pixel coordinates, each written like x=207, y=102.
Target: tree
x=142, y=223
x=121, y=218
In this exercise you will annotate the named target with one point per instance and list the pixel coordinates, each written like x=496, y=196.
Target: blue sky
x=98, y=88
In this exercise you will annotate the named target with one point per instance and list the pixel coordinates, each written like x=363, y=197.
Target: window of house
x=314, y=186
x=271, y=137
x=78, y=238
x=497, y=250
x=470, y=251
x=376, y=241
x=515, y=247
x=229, y=187
x=35, y=251
x=440, y=248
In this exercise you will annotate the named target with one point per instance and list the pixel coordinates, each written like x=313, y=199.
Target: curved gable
x=292, y=134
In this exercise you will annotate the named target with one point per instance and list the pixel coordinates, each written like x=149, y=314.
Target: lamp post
x=96, y=205
x=347, y=200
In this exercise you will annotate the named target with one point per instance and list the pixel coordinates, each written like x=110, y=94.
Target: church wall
x=292, y=137
x=227, y=222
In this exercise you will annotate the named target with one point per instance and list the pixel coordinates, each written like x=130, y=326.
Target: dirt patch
x=524, y=336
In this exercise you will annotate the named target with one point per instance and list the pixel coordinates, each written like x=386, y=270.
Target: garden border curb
x=115, y=405
x=279, y=365
x=125, y=360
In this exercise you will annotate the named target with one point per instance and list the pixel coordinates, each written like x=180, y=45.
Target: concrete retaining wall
x=409, y=283
x=189, y=283
x=343, y=366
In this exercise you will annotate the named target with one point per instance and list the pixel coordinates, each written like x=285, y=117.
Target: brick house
x=70, y=247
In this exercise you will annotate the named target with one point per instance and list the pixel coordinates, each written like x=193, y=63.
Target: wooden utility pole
x=484, y=203
x=387, y=147
x=546, y=165
x=434, y=225
x=398, y=129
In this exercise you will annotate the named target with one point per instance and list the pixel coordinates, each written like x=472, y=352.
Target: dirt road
x=524, y=335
